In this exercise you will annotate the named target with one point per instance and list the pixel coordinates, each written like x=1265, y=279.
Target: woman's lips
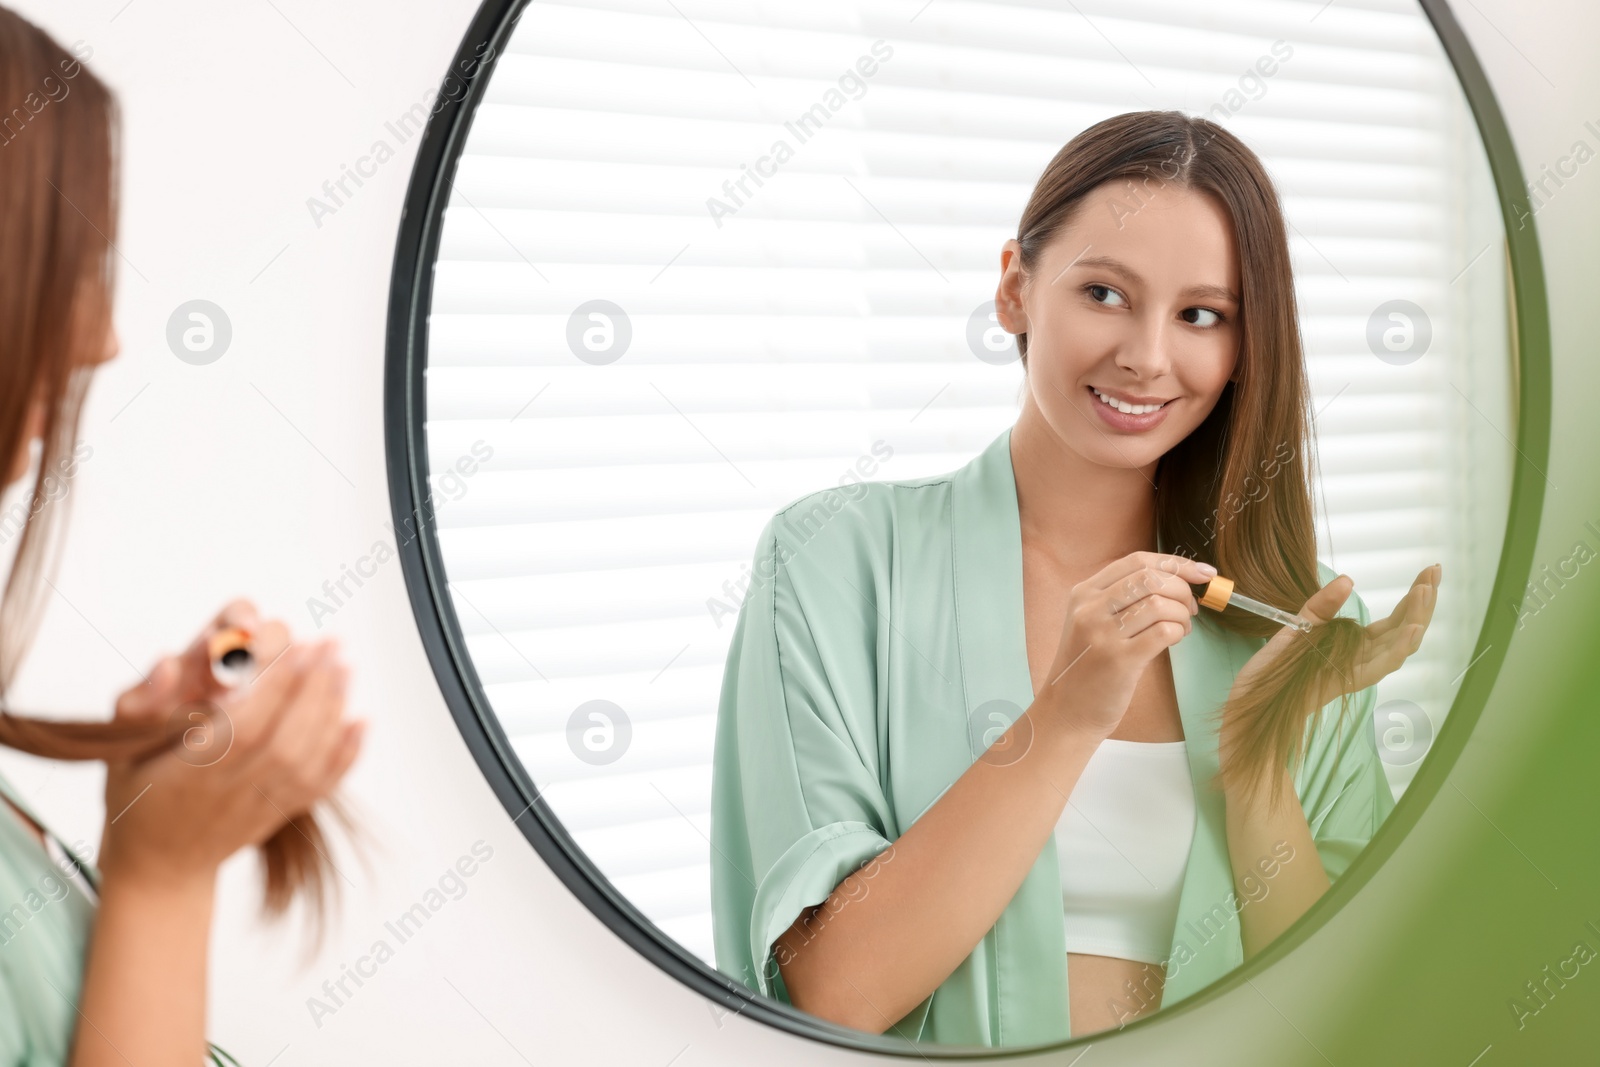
x=1121, y=420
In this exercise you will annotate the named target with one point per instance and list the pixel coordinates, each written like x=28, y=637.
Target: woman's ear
x=1008, y=293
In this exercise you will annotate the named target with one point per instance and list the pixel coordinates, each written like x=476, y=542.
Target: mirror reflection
x=971, y=518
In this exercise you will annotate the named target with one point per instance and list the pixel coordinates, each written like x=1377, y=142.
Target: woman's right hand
x=1118, y=620
x=174, y=817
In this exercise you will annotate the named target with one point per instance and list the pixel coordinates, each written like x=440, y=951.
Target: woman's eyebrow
x=1221, y=292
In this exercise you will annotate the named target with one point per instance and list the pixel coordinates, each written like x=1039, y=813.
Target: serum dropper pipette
x=1219, y=594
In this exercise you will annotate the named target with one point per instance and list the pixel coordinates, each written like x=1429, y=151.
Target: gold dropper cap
x=1218, y=590
x=232, y=661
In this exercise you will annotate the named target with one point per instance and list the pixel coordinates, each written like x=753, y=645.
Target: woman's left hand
x=1389, y=642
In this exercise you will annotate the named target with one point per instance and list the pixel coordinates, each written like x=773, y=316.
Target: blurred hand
x=255, y=757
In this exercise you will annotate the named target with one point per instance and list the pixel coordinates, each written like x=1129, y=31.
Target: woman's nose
x=1146, y=353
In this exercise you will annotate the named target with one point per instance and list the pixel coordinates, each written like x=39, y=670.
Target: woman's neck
x=1083, y=514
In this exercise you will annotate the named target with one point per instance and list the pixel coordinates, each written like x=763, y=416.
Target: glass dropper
x=1219, y=594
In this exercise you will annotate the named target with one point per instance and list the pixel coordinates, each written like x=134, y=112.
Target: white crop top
x=1123, y=843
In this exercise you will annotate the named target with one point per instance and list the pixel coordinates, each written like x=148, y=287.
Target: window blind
x=620, y=500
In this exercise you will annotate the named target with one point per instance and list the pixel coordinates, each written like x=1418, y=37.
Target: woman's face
x=36, y=413
x=1136, y=300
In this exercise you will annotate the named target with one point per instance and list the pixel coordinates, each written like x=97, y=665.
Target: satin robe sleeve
x=1342, y=787
x=796, y=800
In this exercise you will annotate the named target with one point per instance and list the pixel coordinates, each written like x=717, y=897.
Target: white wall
x=264, y=472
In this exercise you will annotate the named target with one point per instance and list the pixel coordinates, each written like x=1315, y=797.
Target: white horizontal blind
x=829, y=311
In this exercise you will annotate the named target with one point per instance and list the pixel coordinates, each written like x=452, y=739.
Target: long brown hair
x=58, y=212
x=1237, y=492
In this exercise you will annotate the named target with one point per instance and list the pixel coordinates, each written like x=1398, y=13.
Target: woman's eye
x=1215, y=318
x=1095, y=292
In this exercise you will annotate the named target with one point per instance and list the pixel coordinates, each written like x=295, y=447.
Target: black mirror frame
x=410, y=297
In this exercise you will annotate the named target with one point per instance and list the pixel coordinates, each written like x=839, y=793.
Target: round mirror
x=740, y=533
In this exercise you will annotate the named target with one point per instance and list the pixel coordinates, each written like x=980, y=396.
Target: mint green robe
x=877, y=617
x=45, y=923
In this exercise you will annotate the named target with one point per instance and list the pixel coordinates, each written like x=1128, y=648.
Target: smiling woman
x=1160, y=371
